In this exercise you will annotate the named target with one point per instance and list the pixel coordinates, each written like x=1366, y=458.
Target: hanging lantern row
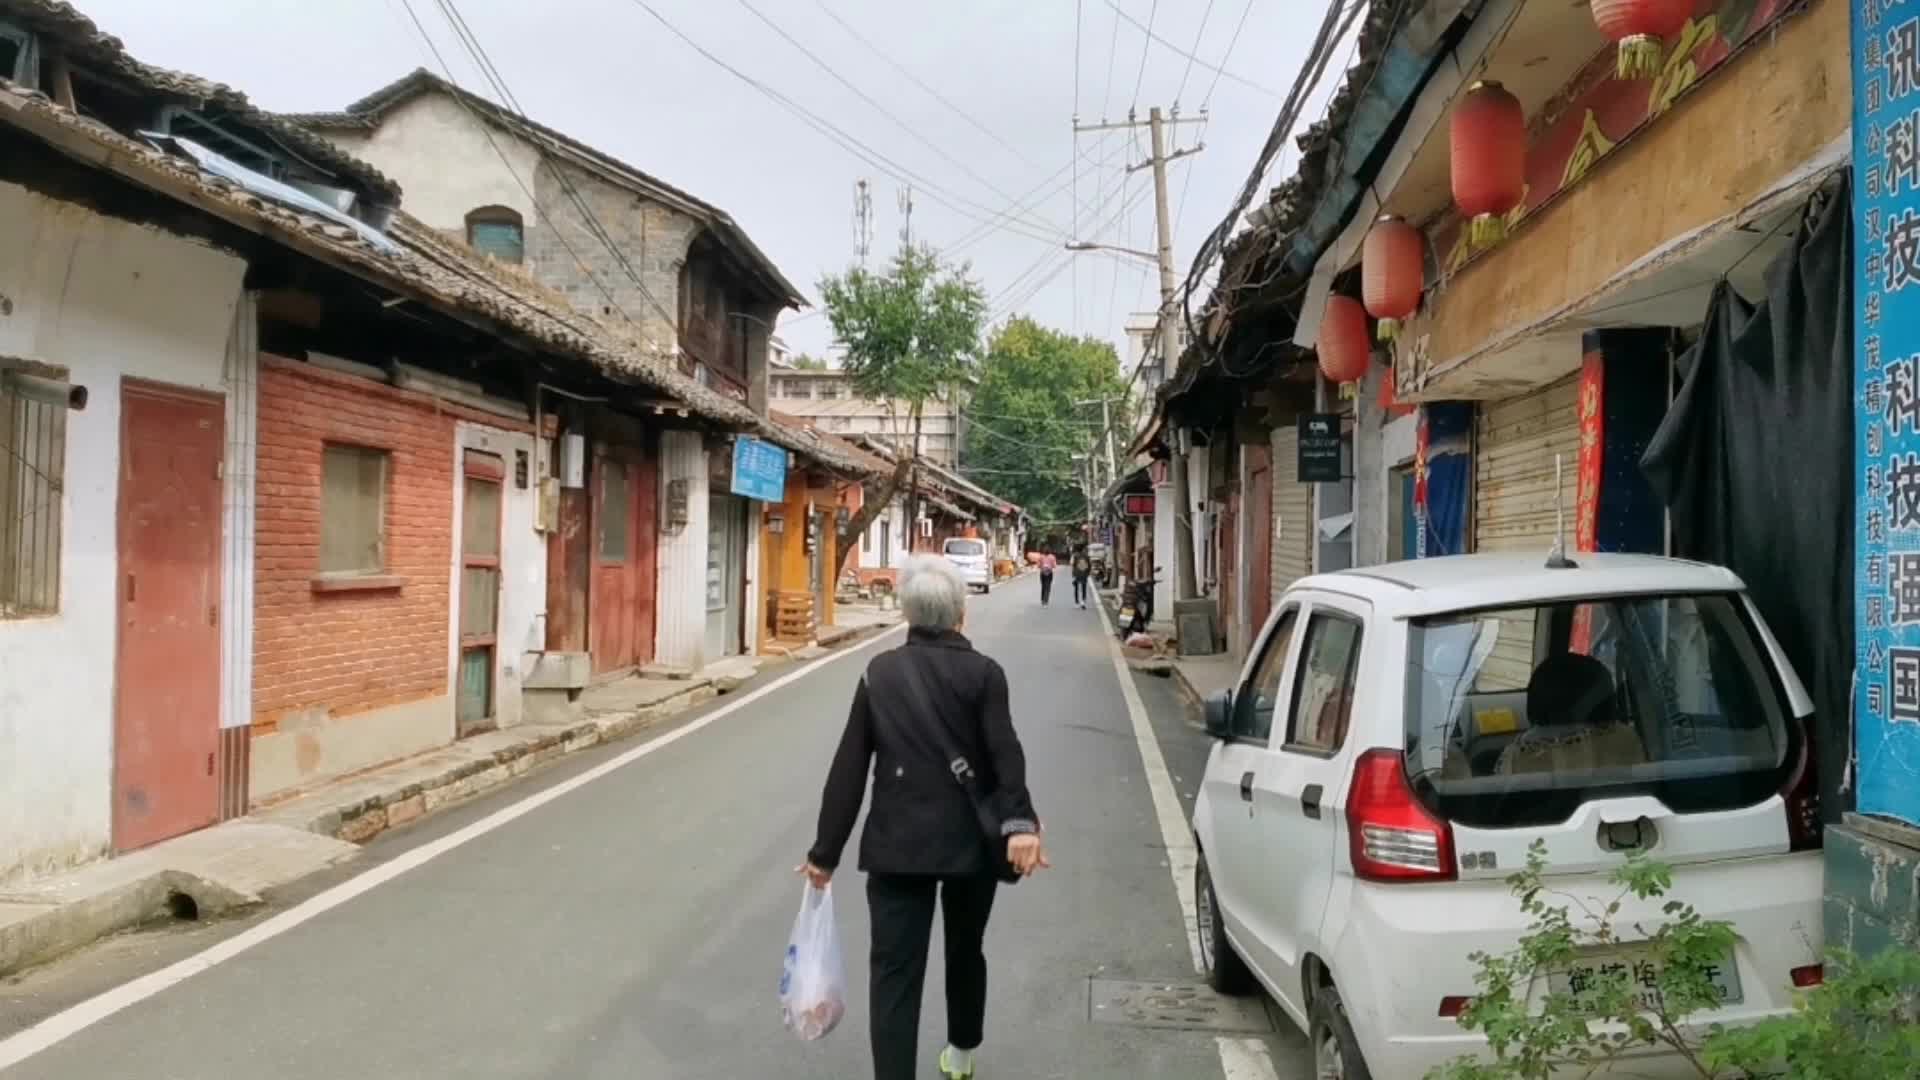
x=1487, y=142
x=1393, y=267
x=1640, y=28
x=1344, y=346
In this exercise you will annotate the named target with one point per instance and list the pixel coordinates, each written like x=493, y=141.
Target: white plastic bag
x=813, y=982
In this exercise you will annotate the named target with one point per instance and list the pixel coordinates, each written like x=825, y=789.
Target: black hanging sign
x=1319, y=437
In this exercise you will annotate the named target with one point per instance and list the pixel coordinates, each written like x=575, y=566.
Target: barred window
x=33, y=461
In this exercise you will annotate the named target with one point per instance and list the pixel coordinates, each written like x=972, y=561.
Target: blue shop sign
x=759, y=470
x=1886, y=194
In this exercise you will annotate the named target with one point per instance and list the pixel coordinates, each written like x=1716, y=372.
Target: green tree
x=912, y=335
x=808, y=362
x=1035, y=409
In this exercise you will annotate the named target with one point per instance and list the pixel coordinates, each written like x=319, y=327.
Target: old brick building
x=674, y=276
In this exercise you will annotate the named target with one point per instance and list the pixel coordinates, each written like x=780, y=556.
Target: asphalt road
x=633, y=927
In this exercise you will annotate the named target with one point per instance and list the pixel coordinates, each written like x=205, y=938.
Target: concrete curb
x=71, y=923
x=361, y=821
x=66, y=927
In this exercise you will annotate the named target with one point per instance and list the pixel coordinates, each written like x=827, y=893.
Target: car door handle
x=1310, y=800
x=1246, y=787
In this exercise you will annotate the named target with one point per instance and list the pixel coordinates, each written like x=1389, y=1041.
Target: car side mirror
x=1219, y=714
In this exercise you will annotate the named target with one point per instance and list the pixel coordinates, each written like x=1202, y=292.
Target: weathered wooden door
x=626, y=500
x=167, y=665
x=480, y=518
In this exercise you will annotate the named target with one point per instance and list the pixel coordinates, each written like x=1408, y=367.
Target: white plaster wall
x=523, y=570
x=894, y=518
x=103, y=299
x=756, y=629
x=439, y=153
x=1163, y=552
x=682, y=624
x=237, y=515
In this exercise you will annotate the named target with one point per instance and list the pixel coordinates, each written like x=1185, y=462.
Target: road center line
x=64, y=1025
x=1240, y=1059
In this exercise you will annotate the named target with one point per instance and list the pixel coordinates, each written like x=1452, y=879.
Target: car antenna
x=1557, y=558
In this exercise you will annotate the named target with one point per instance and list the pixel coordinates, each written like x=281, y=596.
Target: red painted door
x=1258, y=505
x=167, y=666
x=622, y=597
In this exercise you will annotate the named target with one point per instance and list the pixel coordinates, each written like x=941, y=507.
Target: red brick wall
x=349, y=651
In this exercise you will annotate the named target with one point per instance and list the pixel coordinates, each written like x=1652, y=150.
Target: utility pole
x=905, y=201
x=1184, y=584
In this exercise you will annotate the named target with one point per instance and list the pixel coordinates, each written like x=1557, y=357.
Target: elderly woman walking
x=925, y=715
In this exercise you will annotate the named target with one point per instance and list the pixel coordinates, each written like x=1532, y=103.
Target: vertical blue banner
x=1886, y=191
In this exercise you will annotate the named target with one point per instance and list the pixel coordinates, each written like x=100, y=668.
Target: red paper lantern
x=1393, y=267
x=1639, y=27
x=1344, y=347
x=1488, y=144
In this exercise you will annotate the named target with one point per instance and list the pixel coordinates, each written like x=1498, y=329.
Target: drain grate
x=1180, y=1006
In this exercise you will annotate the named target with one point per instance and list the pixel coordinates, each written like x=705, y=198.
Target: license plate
x=1587, y=974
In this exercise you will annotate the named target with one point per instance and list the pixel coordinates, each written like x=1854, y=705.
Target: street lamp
x=1135, y=252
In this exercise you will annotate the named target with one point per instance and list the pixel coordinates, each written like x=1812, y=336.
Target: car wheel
x=1336, y=1052
x=1226, y=972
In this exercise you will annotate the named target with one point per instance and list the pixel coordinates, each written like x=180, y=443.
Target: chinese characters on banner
x=1886, y=163
x=1586, y=519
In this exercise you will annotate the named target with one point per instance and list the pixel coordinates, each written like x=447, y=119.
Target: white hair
x=932, y=594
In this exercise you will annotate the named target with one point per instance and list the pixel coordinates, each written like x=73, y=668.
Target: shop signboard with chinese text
x=1139, y=506
x=1319, y=449
x=759, y=470
x=1886, y=163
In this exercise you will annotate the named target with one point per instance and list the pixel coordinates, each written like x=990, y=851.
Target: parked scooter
x=1142, y=606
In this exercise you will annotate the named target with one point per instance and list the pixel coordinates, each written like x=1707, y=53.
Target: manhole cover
x=1184, y=1006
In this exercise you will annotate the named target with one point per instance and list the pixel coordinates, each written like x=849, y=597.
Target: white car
x=1401, y=734
x=970, y=556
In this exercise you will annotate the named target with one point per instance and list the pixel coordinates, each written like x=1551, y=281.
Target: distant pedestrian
x=924, y=836
x=1082, y=570
x=1048, y=564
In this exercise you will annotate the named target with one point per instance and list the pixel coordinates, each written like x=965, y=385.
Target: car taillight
x=1391, y=837
x=1802, y=797
x=1806, y=978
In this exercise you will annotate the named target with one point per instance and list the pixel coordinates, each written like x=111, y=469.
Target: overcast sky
x=606, y=72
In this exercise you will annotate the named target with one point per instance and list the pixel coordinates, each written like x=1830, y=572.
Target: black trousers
x=1079, y=588
x=1046, y=586
x=900, y=906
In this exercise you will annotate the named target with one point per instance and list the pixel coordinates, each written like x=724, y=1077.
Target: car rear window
x=966, y=547
x=1517, y=716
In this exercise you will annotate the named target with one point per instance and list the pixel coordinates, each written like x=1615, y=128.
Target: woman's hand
x=815, y=876
x=1027, y=854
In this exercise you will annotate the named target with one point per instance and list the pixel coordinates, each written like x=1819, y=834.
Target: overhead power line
x=1152, y=14
x=1217, y=69
x=1339, y=18
x=959, y=204
x=1227, y=57
x=1198, y=36
x=919, y=136
x=922, y=84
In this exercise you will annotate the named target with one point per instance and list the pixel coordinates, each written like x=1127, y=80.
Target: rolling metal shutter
x=1292, y=513
x=1514, y=497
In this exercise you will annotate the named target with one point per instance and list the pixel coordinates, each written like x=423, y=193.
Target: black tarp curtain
x=1755, y=461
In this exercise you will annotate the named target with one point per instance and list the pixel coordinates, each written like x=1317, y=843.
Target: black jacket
x=921, y=821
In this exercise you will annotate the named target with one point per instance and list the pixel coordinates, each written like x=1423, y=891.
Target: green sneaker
x=949, y=1071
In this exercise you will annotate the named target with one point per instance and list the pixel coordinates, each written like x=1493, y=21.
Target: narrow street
x=632, y=927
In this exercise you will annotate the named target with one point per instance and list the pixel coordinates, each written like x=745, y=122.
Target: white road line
x=65, y=1025
x=1240, y=1059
